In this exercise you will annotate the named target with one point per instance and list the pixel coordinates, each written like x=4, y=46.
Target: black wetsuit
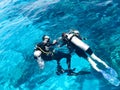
x=73, y=47
x=46, y=54
x=57, y=55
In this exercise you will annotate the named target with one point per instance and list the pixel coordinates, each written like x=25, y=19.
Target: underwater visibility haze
x=24, y=22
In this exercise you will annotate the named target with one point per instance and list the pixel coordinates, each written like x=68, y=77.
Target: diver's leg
x=68, y=61
x=93, y=64
x=81, y=53
x=41, y=62
x=60, y=70
x=94, y=57
x=69, y=71
x=57, y=57
x=99, y=60
x=68, y=57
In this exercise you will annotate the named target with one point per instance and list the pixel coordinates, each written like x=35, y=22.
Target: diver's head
x=75, y=32
x=63, y=34
x=46, y=38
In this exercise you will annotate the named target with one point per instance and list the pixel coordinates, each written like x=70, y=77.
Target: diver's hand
x=84, y=38
x=58, y=46
x=54, y=41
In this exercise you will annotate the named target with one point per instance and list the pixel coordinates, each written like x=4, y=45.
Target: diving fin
x=60, y=70
x=113, y=80
x=112, y=72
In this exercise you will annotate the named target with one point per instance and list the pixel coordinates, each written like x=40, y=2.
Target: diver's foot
x=107, y=67
x=60, y=71
x=71, y=72
x=112, y=72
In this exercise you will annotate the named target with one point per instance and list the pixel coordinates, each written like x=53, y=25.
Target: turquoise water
x=23, y=22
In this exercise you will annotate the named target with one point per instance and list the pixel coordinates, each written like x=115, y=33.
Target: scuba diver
x=44, y=51
x=74, y=42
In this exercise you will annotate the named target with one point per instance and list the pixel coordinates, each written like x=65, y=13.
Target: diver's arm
x=82, y=38
x=59, y=42
x=54, y=42
x=60, y=45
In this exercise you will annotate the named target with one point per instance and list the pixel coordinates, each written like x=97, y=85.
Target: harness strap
x=71, y=37
x=45, y=51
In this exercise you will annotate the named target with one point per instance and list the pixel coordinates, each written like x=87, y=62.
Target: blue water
x=23, y=22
